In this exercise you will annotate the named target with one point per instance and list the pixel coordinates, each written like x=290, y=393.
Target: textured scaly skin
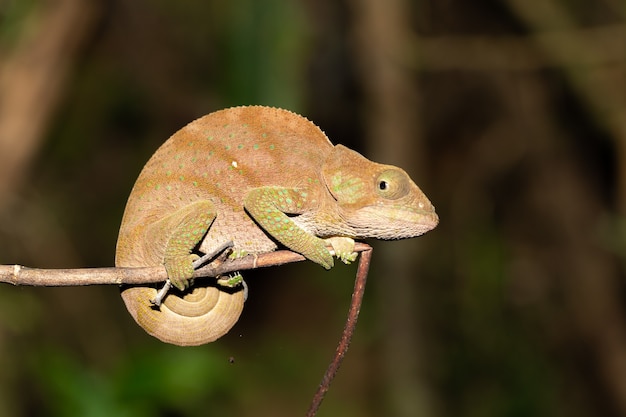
x=260, y=177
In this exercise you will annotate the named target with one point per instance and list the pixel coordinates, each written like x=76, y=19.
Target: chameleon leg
x=200, y=315
x=268, y=205
x=184, y=229
x=160, y=295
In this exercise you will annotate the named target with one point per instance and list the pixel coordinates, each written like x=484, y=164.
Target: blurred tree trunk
x=33, y=72
x=590, y=277
x=562, y=198
x=600, y=83
x=382, y=34
x=34, y=66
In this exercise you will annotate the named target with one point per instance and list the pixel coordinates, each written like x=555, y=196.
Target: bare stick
x=20, y=275
x=348, y=330
x=211, y=255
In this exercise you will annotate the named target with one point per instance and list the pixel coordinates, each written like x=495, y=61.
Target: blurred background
x=510, y=115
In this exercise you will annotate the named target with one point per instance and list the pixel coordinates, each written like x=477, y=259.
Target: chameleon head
x=375, y=200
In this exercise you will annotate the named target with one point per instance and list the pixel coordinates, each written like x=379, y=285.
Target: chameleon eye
x=392, y=184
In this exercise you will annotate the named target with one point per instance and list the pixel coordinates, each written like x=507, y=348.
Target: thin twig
x=348, y=331
x=20, y=275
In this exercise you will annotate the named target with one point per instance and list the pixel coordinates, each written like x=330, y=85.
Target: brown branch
x=20, y=275
x=348, y=331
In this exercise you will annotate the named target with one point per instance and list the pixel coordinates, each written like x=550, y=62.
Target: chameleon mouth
x=394, y=222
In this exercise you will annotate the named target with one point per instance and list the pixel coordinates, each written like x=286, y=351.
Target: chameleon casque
x=260, y=177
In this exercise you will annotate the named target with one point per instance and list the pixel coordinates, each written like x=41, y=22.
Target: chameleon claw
x=230, y=281
x=348, y=258
x=234, y=281
x=343, y=249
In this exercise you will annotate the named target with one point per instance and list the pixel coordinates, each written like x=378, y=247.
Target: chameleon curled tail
x=200, y=315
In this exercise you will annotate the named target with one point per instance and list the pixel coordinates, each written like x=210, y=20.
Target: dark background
x=510, y=115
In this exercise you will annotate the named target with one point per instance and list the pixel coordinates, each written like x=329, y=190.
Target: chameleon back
x=217, y=158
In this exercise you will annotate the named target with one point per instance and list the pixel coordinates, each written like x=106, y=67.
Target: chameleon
x=261, y=178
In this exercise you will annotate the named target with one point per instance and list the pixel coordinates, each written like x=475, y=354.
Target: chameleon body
x=259, y=177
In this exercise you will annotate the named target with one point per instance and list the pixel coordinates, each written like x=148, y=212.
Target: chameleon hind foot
x=233, y=281
x=180, y=267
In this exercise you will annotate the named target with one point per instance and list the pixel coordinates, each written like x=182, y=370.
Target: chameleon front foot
x=343, y=248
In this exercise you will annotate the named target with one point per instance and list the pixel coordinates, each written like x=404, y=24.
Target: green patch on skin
x=351, y=189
